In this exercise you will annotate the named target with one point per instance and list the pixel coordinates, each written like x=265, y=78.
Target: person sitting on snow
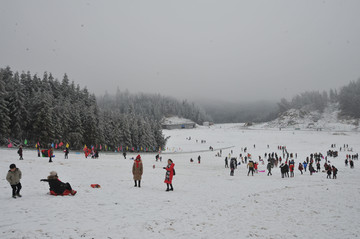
x=57, y=187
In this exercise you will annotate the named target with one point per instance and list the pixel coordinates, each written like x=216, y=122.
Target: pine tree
x=4, y=112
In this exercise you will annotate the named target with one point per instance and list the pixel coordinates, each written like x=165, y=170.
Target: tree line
x=348, y=100
x=45, y=110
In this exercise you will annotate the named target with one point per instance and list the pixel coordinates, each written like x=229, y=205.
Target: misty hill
x=152, y=106
x=233, y=112
x=315, y=110
x=329, y=119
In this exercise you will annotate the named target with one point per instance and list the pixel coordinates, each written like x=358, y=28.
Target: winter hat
x=53, y=173
x=138, y=157
x=12, y=166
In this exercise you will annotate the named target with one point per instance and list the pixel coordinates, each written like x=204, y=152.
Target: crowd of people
x=281, y=159
x=59, y=188
x=314, y=163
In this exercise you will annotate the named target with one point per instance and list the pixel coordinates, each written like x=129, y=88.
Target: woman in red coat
x=170, y=171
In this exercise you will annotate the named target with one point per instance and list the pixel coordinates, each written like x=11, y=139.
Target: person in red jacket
x=170, y=172
x=50, y=153
x=291, y=167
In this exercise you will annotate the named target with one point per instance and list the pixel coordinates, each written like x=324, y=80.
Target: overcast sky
x=189, y=49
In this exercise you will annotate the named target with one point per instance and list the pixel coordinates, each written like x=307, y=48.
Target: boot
x=171, y=187
x=18, y=194
x=139, y=183
x=135, y=183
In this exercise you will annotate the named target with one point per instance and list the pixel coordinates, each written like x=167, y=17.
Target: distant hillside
x=151, y=106
x=329, y=119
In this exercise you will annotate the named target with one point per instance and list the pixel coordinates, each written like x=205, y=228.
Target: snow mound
x=302, y=119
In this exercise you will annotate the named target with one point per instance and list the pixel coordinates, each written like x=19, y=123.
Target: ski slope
x=206, y=201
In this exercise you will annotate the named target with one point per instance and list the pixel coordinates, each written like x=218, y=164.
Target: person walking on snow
x=232, y=166
x=170, y=172
x=269, y=166
x=66, y=153
x=305, y=165
x=301, y=168
x=226, y=162
x=137, y=170
x=50, y=153
x=13, y=177
x=334, y=172
x=20, y=152
x=250, y=165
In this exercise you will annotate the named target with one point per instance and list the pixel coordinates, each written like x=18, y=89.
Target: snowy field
x=206, y=201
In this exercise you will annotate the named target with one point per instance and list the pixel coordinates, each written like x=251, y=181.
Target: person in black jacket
x=66, y=153
x=232, y=166
x=56, y=186
x=334, y=169
x=20, y=152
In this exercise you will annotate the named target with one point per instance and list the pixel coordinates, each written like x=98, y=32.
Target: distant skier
x=335, y=170
x=305, y=165
x=66, y=153
x=269, y=166
x=250, y=165
x=124, y=154
x=292, y=168
x=351, y=163
x=20, y=152
x=283, y=170
x=329, y=172
x=301, y=168
x=50, y=153
x=311, y=169
x=226, y=162
x=199, y=159
x=232, y=167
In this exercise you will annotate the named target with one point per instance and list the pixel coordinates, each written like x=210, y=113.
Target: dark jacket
x=55, y=184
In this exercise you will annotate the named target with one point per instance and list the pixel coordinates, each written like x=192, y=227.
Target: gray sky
x=189, y=49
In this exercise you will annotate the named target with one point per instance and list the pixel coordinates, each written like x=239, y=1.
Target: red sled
x=65, y=193
x=95, y=186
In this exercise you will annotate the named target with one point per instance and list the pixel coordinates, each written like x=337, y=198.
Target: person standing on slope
x=137, y=171
x=170, y=172
x=13, y=177
x=269, y=166
x=20, y=152
x=250, y=165
x=301, y=168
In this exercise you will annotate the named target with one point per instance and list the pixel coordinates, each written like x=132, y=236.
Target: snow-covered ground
x=206, y=201
x=312, y=120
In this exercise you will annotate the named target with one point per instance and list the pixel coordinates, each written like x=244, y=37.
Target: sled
x=65, y=193
x=95, y=186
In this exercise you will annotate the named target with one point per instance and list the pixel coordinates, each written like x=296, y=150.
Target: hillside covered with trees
x=42, y=109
